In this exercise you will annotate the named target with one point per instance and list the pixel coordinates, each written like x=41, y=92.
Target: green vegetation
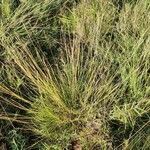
x=75, y=74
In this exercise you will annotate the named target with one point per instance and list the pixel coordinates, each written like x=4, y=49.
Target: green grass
x=76, y=72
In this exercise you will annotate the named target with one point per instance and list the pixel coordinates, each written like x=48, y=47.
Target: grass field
x=74, y=74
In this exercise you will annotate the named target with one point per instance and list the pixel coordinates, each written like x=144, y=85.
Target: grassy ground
x=74, y=74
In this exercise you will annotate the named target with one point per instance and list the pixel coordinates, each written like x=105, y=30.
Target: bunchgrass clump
x=94, y=94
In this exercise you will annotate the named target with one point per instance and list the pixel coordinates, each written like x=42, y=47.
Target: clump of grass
x=72, y=94
x=100, y=76
x=69, y=95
